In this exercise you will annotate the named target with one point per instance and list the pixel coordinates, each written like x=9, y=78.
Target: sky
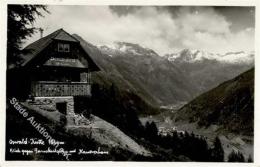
x=165, y=29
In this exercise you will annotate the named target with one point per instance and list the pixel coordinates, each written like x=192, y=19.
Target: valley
x=234, y=135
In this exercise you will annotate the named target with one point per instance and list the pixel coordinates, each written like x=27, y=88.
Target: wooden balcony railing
x=51, y=88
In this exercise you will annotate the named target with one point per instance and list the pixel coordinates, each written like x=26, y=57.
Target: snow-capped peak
x=187, y=55
x=126, y=48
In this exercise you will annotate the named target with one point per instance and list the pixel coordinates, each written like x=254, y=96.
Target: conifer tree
x=19, y=27
x=217, y=153
x=236, y=156
x=151, y=131
x=250, y=158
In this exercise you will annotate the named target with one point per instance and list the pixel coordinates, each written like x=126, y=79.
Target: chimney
x=41, y=32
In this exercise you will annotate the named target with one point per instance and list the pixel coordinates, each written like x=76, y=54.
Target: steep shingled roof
x=33, y=49
x=36, y=47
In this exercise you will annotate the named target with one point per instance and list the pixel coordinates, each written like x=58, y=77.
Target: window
x=66, y=47
x=63, y=47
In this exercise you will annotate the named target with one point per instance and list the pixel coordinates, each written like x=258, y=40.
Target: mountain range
x=192, y=56
x=164, y=80
x=207, y=70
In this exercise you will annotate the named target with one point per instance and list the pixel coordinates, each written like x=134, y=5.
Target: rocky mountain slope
x=142, y=71
x=111, y=75
x=229, y=106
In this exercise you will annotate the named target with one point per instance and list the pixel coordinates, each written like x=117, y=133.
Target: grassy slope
x=104, y=135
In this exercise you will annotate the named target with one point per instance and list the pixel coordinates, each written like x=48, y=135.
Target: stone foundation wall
x=51, y=102
x=48, y=104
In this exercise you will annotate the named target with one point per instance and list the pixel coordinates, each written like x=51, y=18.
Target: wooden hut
x=55, y=70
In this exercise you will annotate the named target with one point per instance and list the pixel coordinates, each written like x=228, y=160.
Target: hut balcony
x=53, y=88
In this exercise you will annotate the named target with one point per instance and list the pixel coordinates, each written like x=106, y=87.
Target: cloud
x=195, y=28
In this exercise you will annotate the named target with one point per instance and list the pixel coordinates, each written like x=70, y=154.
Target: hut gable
x=64, y=36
